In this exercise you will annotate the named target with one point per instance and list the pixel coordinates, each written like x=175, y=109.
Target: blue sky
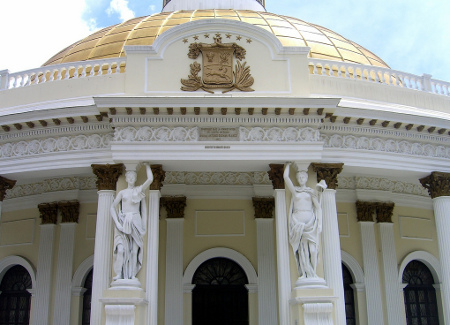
x=410, y=35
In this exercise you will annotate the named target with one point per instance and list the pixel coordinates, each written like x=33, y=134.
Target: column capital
x=437, y=184
x=365, y=210
x=384, y=211
x=276, y=176
x=70, y=211
x=263, y=207
x=158, y=177
x=5, y=184
x=328, y=172
x=107, y=175
x=48, y=213
x=174, y=206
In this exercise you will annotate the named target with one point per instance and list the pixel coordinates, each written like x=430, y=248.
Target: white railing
x=52, y=73
x=380, y=75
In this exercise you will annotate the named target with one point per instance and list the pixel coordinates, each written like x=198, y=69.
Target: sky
x=409, y=35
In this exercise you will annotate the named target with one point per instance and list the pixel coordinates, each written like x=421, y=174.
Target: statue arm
x=113, y=211
x=287, y=180
x=144, y=214
x=149, y=180
x=317, y=211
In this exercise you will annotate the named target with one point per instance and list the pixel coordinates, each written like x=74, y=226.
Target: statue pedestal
x=313, y=306
x=310, y=283
x=124, y=303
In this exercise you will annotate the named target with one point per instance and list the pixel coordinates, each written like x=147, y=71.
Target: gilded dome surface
x=109, y=42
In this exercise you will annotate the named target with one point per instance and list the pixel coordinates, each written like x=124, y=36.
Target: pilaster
x=48, y=213
x=69, y=213
x=332, y=260
x=438, y=186
x=151, y=293
x=267, y=295
x=283, y=269
x=107, y=176
x=174, y=259
x=365, y=212
x=394, y=303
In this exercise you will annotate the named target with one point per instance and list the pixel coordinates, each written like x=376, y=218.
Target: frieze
x=385, y=145
x=217, y=178
x=52, y=145
x=277, y=134
x=156, y=134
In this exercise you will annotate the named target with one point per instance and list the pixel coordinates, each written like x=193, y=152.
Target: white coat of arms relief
x=217, y=72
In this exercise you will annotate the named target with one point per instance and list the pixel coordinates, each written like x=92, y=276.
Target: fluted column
x=63, y=293
x=49, y=214
x=153, y=244
x=365, y=212
x=267, y=294
x=5, y=184
x=438, y=185
x=283, y=269
x=394, y=303
x=332, y=261
x=107, y=176
x=174, y=259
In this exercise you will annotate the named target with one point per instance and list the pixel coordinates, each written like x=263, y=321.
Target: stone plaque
x=218, y=134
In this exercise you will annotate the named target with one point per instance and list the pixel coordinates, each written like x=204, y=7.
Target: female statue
x=129, y=213
x=305, y=223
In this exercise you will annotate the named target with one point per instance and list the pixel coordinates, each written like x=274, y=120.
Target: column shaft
x=63, y=291
x=174, y=272
x=395, y=306
x=441, y=206
x=102, y=253
x=284, y=277
x=372, y=278
x=267, y=295
x=332, y=260
x=152, y=257
x=44, y=275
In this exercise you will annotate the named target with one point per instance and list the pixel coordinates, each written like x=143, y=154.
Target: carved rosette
x=328, y=172
x=384, y=211
x=263, y=207
x=365, y=210
x=107, y=175
x=5, y=184
x=158, y=177
x=276, y=176
x=48, y=213
x=174, y=206
x=70, y=211
x=437, y=184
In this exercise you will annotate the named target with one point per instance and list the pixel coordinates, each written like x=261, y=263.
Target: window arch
x=15, y=300
x=349, y=296
x=419, y=295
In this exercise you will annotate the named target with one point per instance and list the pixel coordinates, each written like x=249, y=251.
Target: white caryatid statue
x=305, y=223
x=129, y=213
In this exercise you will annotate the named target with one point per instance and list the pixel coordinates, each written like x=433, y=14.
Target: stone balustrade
x=52, y=73
x=367, y=73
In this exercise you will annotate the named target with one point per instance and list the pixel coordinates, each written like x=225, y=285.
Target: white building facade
x=218, y=100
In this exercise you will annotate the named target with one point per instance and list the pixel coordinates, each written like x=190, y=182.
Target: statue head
x=302, y=177
x=130, y=177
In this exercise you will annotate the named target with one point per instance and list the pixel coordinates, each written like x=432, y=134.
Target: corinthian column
x=332, y=262
x=107, y=176
x=267, y=294
x=153, y=244
x=284, y=277
x=174, y=259
x=438, y=186
x=5, y=184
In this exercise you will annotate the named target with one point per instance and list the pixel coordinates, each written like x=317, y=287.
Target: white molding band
x=174, y=272
x=82, y=271
x=9, y=261
x=267, y=294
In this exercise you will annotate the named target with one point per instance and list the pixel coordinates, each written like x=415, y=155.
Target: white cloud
x=33, y=31
x=120, y=7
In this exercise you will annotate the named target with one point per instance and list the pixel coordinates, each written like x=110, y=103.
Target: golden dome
x=109, y=42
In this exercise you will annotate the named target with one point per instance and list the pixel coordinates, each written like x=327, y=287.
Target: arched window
x=15, y=300
x=349, y=296
x=420, y=295
x=87, y=298
x=220, y=296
